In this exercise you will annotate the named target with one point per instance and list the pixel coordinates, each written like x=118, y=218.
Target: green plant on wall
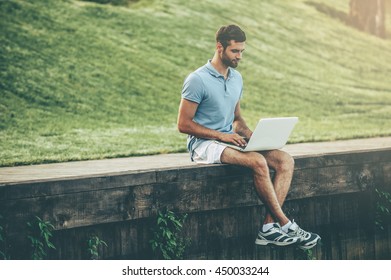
x=305, y=254
x=167, y=242
x=40, y=233
x=93, y=244
x=383, y=208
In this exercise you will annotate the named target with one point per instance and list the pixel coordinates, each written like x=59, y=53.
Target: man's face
x=233, y=54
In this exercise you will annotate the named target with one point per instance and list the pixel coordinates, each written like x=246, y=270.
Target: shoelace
x=302, y=232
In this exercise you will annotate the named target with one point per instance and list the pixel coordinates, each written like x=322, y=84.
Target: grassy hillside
x=80, y=80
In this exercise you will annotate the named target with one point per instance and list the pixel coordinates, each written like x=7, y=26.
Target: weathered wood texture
x=330, y=194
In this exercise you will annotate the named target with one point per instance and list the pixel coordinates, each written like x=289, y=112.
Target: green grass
x=81, y=80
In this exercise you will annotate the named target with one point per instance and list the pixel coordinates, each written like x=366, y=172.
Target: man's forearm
x=199, y=131
x=241, y=128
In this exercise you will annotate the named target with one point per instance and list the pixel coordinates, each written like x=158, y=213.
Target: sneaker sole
x=274, y=243
x=309, y=246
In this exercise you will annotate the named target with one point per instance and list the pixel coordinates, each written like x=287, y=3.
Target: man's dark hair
x=230, y=32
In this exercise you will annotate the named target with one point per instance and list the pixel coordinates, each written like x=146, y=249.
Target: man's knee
x=259, y=164
x=285, y=163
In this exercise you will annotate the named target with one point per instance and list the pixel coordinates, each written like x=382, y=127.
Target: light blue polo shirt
x=217, y=98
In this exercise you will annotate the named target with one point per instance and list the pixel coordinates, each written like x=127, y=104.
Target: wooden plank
x=79, y=185
x=342, y=158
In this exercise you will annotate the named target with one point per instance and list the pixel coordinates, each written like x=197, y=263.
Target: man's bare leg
x=273, y=196
x=283, y=165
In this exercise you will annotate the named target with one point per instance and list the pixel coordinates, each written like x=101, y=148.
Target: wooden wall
x=332, y=195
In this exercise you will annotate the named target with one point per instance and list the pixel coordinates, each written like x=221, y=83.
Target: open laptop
x=269, y=134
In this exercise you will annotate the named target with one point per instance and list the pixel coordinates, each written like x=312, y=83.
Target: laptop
x=269, y=134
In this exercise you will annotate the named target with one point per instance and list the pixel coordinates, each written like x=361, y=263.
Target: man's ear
x=219, y=47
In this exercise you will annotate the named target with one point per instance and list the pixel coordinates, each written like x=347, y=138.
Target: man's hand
x=233, y=138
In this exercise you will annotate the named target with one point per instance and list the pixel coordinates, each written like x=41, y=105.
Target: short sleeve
x=193, y=89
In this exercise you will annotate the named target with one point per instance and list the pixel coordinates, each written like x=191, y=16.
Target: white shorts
x=208, y=152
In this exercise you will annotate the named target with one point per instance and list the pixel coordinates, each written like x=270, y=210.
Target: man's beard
x=227, y=62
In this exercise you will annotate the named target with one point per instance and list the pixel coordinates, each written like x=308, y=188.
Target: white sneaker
x=307, y=240
x=275, y=236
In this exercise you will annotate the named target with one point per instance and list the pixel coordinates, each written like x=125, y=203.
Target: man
x=210, y=110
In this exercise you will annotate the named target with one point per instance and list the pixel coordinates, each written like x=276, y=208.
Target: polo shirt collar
x=214, y=72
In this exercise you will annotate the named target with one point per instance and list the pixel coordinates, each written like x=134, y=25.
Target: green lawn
x=80, y=80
